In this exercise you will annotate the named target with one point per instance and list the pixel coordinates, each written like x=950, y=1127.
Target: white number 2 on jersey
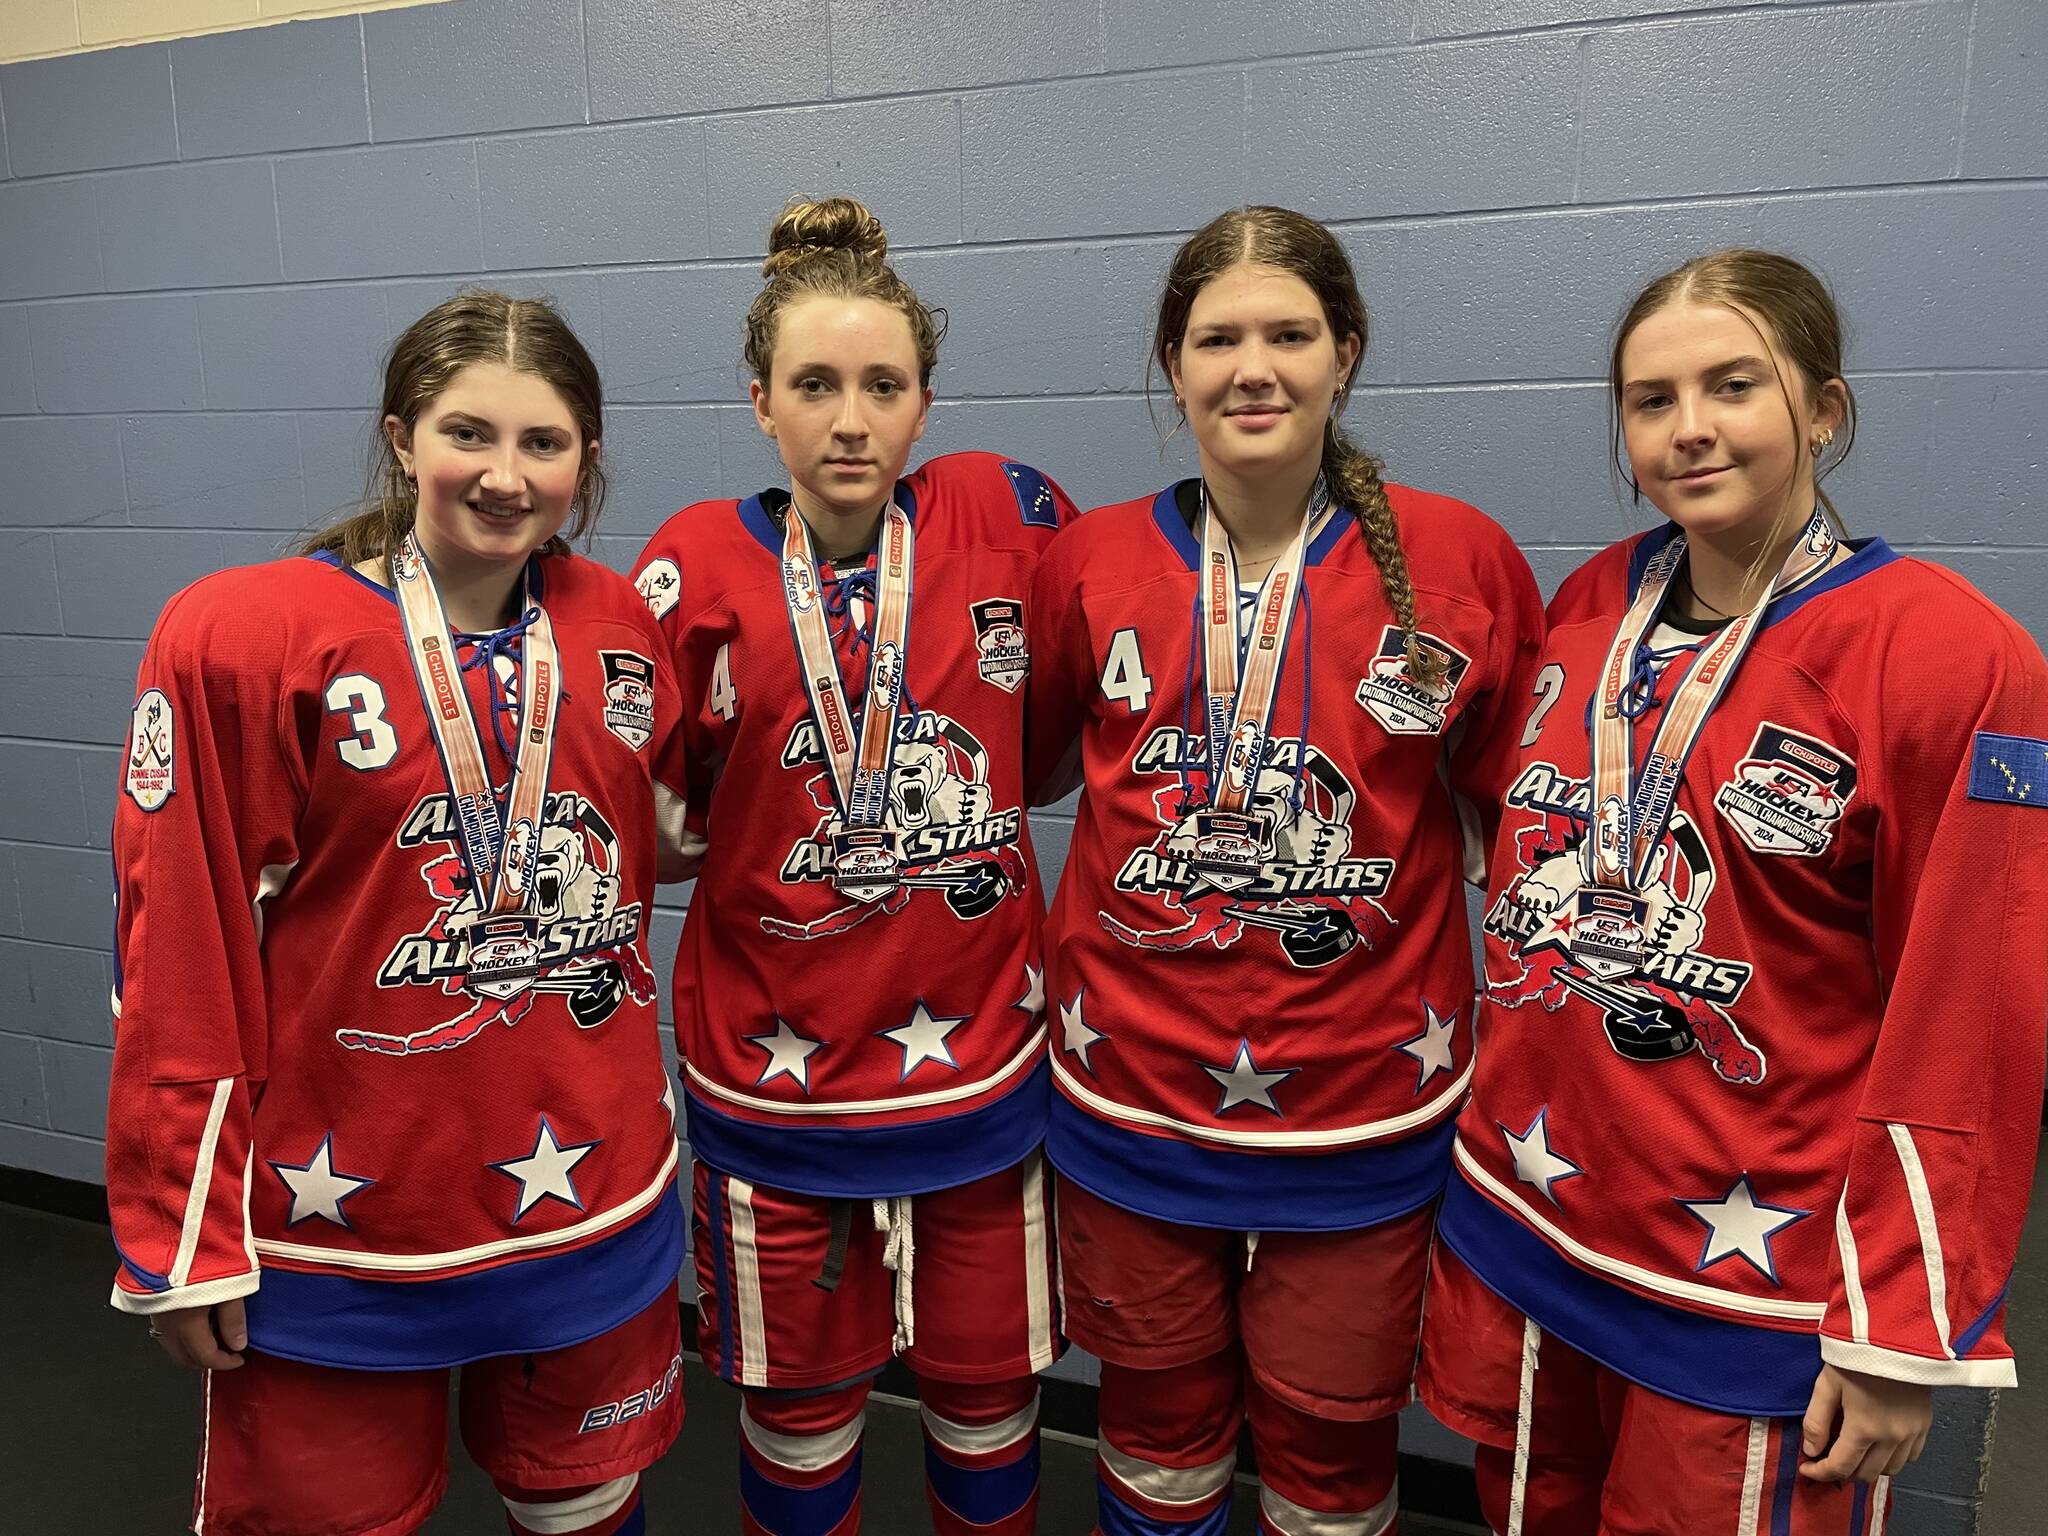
x=1123, y=673
x=1549, y=684
x=362, y=700
x=725, y=698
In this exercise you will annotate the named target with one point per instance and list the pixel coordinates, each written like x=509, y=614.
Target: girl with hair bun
x=858, y=991
x=1749, y=1146
x=388, y=1093
x=1292, y=687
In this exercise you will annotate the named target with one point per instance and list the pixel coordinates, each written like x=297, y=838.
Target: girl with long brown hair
x=1760, y=1062
x=1289, y=683
x=388, y=1095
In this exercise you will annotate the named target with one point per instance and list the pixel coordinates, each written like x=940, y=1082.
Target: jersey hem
x=873, y=1162
x=1240, y=1190
x=1743, y=1369
x=513, y=1309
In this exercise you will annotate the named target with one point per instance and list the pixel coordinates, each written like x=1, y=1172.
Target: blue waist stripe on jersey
x=839, y=1162
x=1245, y=1191
x=1727, y=1367
x=520, y=1308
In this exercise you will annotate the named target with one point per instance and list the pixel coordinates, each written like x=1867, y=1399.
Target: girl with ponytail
x=858, y=990
x=1748, y=1150
x=1293, y=689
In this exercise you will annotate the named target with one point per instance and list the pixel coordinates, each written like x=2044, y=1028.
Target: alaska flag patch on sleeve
x=2010, y=769
x=1034, y=496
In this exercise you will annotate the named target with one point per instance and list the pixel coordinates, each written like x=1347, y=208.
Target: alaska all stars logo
x=589, y=942
x=1680, y=998
x=937, y=803
x=1788, y=793
x=1004, y=655
x=1401, y=704
x=1302, y=884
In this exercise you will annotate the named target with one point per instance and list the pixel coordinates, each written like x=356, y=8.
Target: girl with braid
x=1292, y=689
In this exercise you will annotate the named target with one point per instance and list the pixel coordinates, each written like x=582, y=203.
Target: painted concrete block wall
x=205, y=244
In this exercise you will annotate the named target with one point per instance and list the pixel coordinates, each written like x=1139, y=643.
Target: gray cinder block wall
x=205, y=244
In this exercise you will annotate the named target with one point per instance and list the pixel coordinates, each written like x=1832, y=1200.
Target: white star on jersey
x=1076, y=1034
x=789, y=1054
x=1033, y=1000
x=1739, y=1223
x=924, y=1039
x=317, y=1190
x=1244, y=1083
x=1535, y=1163
x=543, y=1174
x=1433, y=1046
x=668, y=1096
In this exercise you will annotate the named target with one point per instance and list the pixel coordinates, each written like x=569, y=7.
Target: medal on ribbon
x=867, y=854
x=500, y=847
x=1240, y=679
x=1631, y=806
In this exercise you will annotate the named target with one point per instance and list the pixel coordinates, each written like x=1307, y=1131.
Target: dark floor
x=99, y=1430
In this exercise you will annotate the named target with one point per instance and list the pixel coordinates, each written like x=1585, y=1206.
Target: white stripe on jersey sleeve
x=202, y=1185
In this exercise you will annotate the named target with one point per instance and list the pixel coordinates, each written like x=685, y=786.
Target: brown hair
x=477, y=325
x=1296, y=244
x=836, y=248
x=1794, y=314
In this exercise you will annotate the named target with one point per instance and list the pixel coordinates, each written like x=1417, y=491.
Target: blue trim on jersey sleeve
x=874, y=1162
x=798, y=1511
x=1120, y=1519
x=1199, y=1186
x=520, y=1308
x=1723, y=1366
x=151, y=1280
x=1967, y=1340
x=1036, y=504
x=982, y=1495
x=2009, y=770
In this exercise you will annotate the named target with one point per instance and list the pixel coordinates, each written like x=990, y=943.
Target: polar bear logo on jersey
x=924, y=790
x=953, y=838
x=588, y=943
x=1677, y=998
x=1322, y=902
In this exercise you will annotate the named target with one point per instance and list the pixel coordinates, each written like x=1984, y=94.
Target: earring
x=1820, y=443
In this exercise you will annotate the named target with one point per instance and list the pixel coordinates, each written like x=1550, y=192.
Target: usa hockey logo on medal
x=628, y=697
x=1788, y=793
x=1402, y=705
x=152, y=769
x=999, y=637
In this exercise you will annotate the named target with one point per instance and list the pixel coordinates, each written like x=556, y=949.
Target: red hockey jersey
x=1803, y=1127
x=835, y=1044
x=1285, y=1055
x=310, y=1107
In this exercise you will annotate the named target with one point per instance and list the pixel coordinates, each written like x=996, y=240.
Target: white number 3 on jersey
x=362, y=700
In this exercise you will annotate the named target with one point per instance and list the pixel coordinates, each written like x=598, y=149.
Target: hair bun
x=807, y=230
